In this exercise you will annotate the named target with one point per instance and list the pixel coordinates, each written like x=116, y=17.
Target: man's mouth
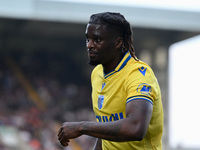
x=92, y=54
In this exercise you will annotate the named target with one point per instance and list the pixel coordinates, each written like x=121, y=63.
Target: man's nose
x=90, y=44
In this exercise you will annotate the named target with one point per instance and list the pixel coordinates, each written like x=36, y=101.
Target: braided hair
x=118, y=22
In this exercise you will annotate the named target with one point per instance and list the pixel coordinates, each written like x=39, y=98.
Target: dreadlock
x=118, y=22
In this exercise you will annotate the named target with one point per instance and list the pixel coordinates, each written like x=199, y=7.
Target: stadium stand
x=36, y=96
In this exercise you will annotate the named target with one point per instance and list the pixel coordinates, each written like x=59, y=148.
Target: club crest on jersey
x=103, y=85
x=144, y=89
x=100, y=101
x=142, y=70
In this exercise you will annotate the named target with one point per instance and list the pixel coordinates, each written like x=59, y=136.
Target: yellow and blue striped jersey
x=129, y=81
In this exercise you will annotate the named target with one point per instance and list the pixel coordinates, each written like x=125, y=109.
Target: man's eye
x=87, y=40
x=97, y=40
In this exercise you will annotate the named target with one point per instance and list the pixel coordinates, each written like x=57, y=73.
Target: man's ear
x=119, y=42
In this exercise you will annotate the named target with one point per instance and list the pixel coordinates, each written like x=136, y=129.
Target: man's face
x=100, y=43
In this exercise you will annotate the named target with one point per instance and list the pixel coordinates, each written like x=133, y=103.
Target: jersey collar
x=120, y=66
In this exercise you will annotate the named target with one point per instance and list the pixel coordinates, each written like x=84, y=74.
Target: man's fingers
x=65, y=143
x=60, y=131
x=63, y=140
x=60, y=136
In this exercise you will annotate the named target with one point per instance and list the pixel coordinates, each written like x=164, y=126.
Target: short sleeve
x=141, y=83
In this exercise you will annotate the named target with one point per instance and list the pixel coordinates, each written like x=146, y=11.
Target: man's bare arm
x=131, y=128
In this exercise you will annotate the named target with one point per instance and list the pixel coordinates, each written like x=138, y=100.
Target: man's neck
x=112, y=64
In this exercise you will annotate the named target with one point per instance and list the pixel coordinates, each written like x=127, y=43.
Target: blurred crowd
x=65, y=94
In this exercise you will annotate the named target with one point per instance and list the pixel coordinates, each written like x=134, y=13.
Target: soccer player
x=125, y=93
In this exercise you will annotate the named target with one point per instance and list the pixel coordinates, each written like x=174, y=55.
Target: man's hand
x=69, y=130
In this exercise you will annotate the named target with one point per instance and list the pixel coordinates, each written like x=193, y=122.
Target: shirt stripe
x=139, y=97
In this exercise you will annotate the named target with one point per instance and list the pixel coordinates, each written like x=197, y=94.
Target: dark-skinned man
x=125, y=93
